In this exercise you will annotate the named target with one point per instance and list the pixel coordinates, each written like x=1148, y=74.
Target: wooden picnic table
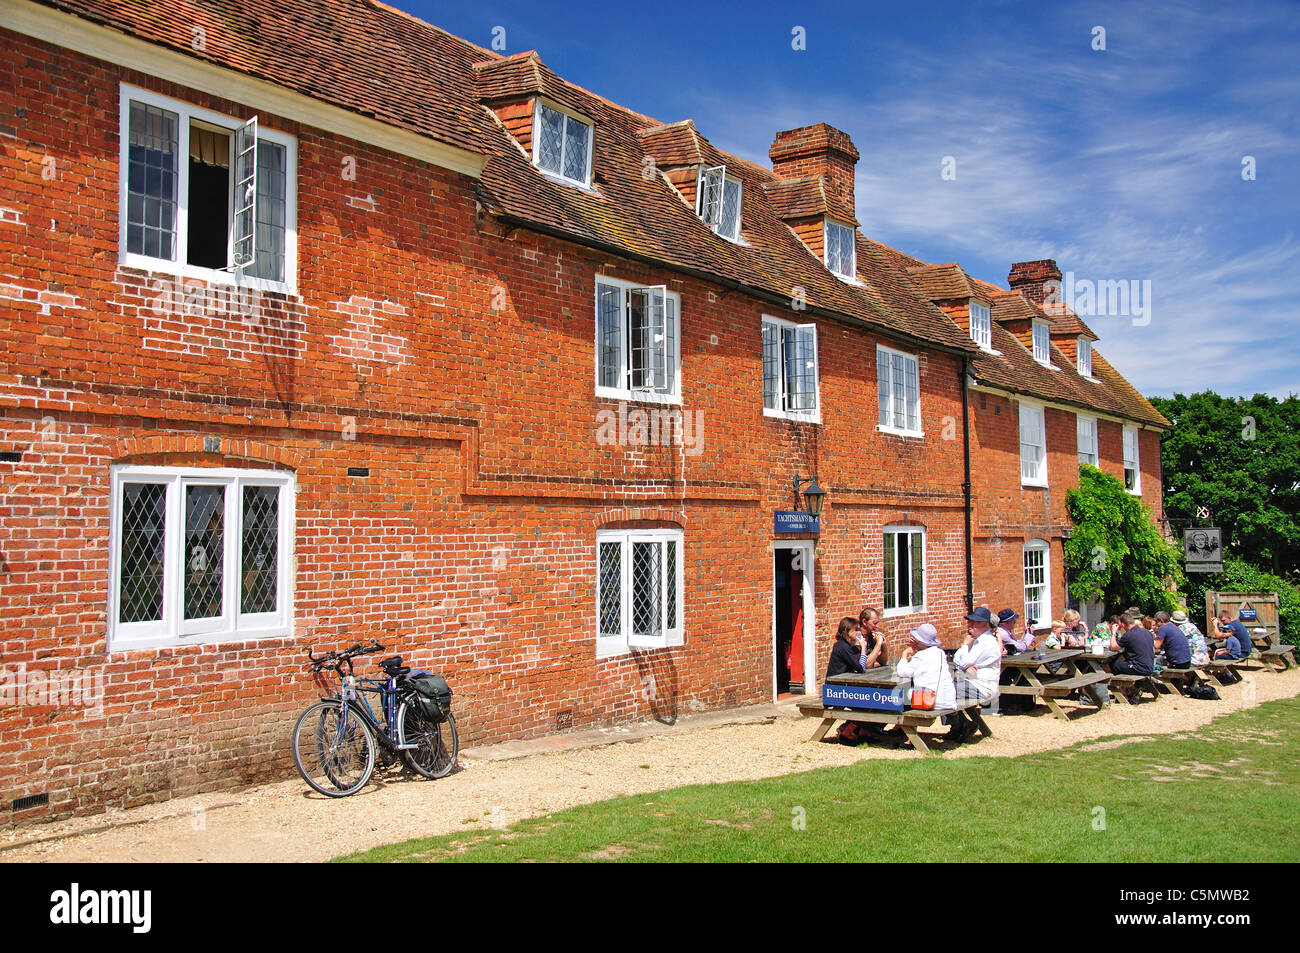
x=909, y=719
x=1031, y=677
x=883, y=676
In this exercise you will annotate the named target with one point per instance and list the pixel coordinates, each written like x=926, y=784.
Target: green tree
x=1116, y=553
x=1241, y=458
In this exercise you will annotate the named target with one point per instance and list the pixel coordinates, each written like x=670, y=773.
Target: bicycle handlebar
x=335, y=659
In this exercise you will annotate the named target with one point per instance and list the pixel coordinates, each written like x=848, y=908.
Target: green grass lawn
x=1227, y=794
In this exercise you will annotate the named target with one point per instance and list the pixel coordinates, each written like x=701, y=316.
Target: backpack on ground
x=432, y=695
x=1206, y=693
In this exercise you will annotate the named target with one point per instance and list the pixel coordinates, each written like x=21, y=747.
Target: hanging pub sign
x=795, y=521
x=1203, y=549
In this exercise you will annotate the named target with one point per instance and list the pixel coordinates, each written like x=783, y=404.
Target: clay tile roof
x=945, y=282
x=806, y=198
x=676, y=144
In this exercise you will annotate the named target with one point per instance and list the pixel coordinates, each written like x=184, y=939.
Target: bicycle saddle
x=393, y=666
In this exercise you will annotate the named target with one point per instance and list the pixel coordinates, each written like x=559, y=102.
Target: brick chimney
x=817, y=150
x=1030, y=278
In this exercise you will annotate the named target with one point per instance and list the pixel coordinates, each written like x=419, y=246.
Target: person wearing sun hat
x=1195, y=637
x=1009, y=644
x=980, y=657
x=924, y=662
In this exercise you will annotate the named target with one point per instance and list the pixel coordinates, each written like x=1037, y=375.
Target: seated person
x=1173, y=642
x=1056, y=639
x=1230, y=629
x=925, y=663
x=979, y=659
x=1137, y=646
x=1232, y=649
x=1076, y=633
x=1009, y=643
x=846, y=653
x=1195, y=639
x=875, y=650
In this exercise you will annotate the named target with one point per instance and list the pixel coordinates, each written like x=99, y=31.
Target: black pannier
x=431, y=695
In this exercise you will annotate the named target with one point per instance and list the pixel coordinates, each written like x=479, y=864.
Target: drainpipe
x=966, y=489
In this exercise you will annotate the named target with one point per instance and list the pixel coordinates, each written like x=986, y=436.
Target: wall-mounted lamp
x=814, y=495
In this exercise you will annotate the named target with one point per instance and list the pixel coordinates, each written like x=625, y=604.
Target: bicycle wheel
x=438, y=744
x=335, y=758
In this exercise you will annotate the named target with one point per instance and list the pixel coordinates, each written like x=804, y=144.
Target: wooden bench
x=1220, y=666
x=909, y=720
x=1181, y=678
x=1137, y=682
x=1085, y=682
x=1277, y=652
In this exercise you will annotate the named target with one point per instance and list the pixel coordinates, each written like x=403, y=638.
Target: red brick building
x=322, y=324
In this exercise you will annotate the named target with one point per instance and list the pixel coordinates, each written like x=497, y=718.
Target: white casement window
x=898, y=386
x=718, y=201
x=199, y=555
x=637, y=341
x=904, y=552
x=1132, y=471
x=206, y=195
x=1038, y=583
x=638, y=589
x=1042, y=343
x=1084, y=362
x=981, y=325
x=1033, y=444
x=1086, y=431
x=562, y=145
x=841, y=250
x=790, y=384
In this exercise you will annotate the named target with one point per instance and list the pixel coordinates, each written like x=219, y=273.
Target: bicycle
x=335, y=741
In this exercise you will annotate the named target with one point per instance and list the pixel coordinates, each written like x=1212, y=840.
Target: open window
x=790, y=383
x=718, y=201
x=636, y=340
x=204, y=193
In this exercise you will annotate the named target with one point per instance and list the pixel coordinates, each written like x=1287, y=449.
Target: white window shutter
x=244, y=245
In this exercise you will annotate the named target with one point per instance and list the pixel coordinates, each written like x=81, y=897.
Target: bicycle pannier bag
x=433, y=695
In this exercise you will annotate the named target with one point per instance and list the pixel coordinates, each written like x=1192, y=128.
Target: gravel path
x=285, y=822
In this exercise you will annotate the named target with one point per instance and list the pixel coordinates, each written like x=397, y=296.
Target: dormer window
x=1085, y=357
x=1042, y=344
x=981, y=325
x=562, y=145
x=841, y=257
x=718, y=201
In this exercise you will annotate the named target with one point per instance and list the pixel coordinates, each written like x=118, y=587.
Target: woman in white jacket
x=925, y=663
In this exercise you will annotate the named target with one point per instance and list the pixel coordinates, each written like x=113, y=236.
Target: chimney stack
x=1030, y=278
x=817, y=150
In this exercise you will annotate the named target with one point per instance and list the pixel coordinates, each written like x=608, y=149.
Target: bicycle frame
x=390, y=734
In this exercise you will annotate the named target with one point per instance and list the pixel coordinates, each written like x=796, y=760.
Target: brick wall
x=452, y=359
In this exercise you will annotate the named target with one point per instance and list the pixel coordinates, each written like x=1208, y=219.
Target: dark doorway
x=787, y=602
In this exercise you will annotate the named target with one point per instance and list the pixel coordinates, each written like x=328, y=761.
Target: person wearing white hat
x=926, y=665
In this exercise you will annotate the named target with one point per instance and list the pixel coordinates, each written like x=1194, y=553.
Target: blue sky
x=1122, y=164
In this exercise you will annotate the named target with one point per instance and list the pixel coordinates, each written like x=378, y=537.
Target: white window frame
x=1085, y=432
x=1030, y=410
x=984, y=337
x=889, y=543
x=232, y=625
x=852, y=274
x=625, y=641
x=1133, y=462
x=1083, y=360
x=706, y=215
x=1044, y=618
x=1042, y=339
x=813, y=415
x=673, y=353
x=570, y=115
x=885, y=364
x=186, y=114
